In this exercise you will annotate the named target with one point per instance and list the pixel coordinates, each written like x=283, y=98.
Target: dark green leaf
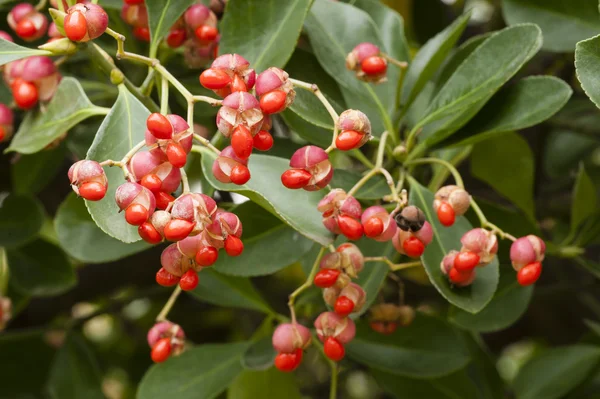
x=376, y=188
x=120, y=131
x=21, y=218
x=477, y=295
x=306, y=129
x=162, y=14
x=585, y=199
x=587, y=62
x=11, y=52
x=261, y=355
x=564, y=150
x=32, y=173
x=264, y=384
x=202, y=372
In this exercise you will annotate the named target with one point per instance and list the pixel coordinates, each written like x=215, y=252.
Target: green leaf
x=68, y=107
x=506, y=164
x=261, y=355
x=585, y=199
x=307, y=129
x=40, y=269
x=509, y=303
x=564, y=150
x=427, y=348
x=21, y=218
x=32, y=173
x=82, y=239
x=202, y=372
x=222, y=290
x=268, y=249
x=264, y=384
x=263, y=31
x=587, y=62
x=10, y=51
x=486, y=69
x=555, y=372
x=430, y=57
x=75, y=373
x=529, y=102
x=375, y=188
x=563, y=23
x=297, y=208
x=477, y=295
x=162, y=14
x=120, y=131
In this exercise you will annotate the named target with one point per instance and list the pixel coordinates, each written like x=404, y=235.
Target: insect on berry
x=263, y=141
x=165, y=278
x=189, y=280
x=446, y=214
x=529, y=274
x=207, y=256
x=161, y=350
x=233, y=246
x=466, y=261
x=136, y=214
x=149, y=233
x=176, y=155
x=334, y=349
x=413, y=247
x=326, y=278
x=273, y=102
x=374, y=65
x=343, y=306
x=240, y=174
x=159, y=126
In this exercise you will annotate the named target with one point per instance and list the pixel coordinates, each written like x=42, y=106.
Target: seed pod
x=197, y=15
x=275, y=90
x=39, y=70
x=526, y=250
x=195, y=208
x=313, y=160
x=361, y=60
x=225, y=163
x=239, y=108
x=181, y=135
x=448, y=261
x=135, y=15
x=174, y=262
x=330, y=324
x=457, y=197
x=482, y=242
x=144, y=163
x=388, y=224
x=164, y=329
x=410, y=219
x=352, y=260
x=289, y=337
x=130, y=193
x=359, y=53
x=90, y=178
x=27, y=22
x=355, y=130
x=242, y=77
x=85, y=22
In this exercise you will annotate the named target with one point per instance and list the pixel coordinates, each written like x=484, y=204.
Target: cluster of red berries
x=368, y=62
x=134, y=13
x=31, y=80
x=165, y=339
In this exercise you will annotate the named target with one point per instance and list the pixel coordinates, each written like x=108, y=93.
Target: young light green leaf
x=585, y=198
x=269, y=383
x=162, y=14
x=21, y=218
x=263, y=31
x=563, y=23
x=10, y=51
x=587, y=62
x=68, y=107
x=120, y=131
x=32, y=173
x=477, y=295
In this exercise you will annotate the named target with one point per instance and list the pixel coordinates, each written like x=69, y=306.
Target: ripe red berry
x=189, y=280
x=373, y=227
x=326, y=278
x=238, y=84
x=206, y=34
x=348, y=140
x=152, y=182
x=240, y=174
x=161, y=350
x=163, y=200
x=207, y=256
x=159, y=126
x=350, y=227
x=413, y=247
x=136, y=214
x=26, y=29
x=374, y=65
x=214, y=79
x=142, y=34
x=295, y=178
x=273, y=102
x=176, y=38
x=446, y=214
x=149, y=233
x=263, y=141
x=178, y=229
x=529, y=274
x=343, y=306
x=233, y=246
x=92, y=191
x=242, y=142
x=75, y=26
x=165, y=278
x=458, y=277
x=287, y=362
x=176, y=155
x=334, y=349
x=25, y=94
x=466, y=261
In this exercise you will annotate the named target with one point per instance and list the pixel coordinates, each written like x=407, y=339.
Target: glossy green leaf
x=75, y=373
x=261, y=354
x=564, y=150
x=515, y=178
x=427, y=348
x=563, y=23
x=82, y=239
x=40, y=269
x=32, y=173
x=585, y=198
x=472, y=298
x=270, y=383
x=527, y=103
x=486, y=69
x=201, y=372
x=430, y=57
x=263, y=31
x=10, y=51
x=375, y=188
x=587, y=62
x=222, y=290
x=555, y=372
x=482, y=369
x=297, y=208
x=509, y=303
x=162, y=14
x=307, y=130
x=120, y=131
x=68, y=107
x=21, y=218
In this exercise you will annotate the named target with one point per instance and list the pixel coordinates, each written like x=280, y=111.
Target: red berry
x=149, y=233
x=287, y=362
x=242, y=142
x=348, y=140
x=161, y=350
x=343, y=306
x=350, y=227
x=176, y=38
x=206, y=34
x=165, y=278
x=2, y=134
x=163, y=200
x=240, y=174
x=131, y=2
x=142, y=34
x=373, y=227
x=178, y=229
x=458, y=277
x=189, y=280
x=26, y=29
x=446, y=214
x=263, y=141
x=374, y=65
x=233, y=246
x=75, y=26
x=159, y=126
x=326, y=278
x=383, y=328
x=207, y=256
x=334, y=349
x=176, y=155
x=214, y=79
x=25, y=94
x=152, y=182
x=273, y=102
x=92, y=191
x=238, y=84
x=466, y=261
x=136, y=214
x=529, y=274
x=413, y=247
x=295, y=178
